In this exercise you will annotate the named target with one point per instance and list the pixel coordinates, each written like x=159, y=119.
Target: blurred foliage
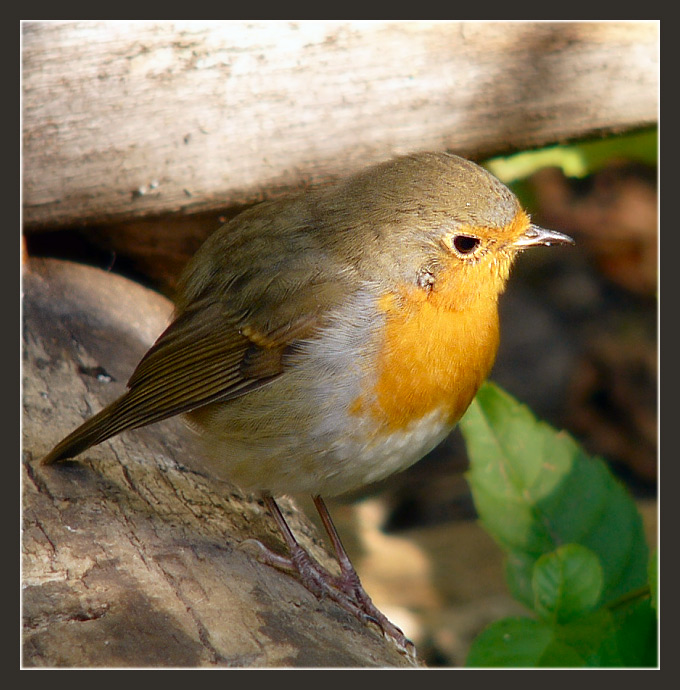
x=578, y=159
x=575, y=547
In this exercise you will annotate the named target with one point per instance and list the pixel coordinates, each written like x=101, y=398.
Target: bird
x=325, y=340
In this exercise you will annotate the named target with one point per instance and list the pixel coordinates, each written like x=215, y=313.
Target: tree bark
x=130, y=558
x=124, y=120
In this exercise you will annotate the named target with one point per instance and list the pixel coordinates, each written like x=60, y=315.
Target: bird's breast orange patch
x=431, y=357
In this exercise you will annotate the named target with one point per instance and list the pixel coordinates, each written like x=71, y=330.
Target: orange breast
x=432, y=357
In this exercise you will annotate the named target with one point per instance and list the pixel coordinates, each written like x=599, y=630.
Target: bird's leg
x=346, y=590
x=312, y=574
x=350, y=583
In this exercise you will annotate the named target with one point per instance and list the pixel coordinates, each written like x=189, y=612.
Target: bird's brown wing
x=204, y=356
x=256, y=286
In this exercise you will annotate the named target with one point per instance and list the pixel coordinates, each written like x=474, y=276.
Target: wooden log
x=130, y=558
x=123, y=120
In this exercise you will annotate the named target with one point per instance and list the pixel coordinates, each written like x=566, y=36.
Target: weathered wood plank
x=127, y=119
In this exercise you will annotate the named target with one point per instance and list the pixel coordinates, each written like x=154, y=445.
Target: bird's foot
x=345, y=590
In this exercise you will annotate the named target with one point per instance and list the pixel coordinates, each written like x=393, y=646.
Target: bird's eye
x=465, y=244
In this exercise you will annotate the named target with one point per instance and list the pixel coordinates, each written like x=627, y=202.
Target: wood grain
x=123, y=120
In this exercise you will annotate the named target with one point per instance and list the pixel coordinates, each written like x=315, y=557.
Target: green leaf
x=586, y=636
x=521, y=642
x=567, y=583
x=578, y=159
x=634, y=642
x=535, y=490
x=518, y=574
x=603, y=638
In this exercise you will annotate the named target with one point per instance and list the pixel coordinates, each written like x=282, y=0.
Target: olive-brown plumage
x=326, y=340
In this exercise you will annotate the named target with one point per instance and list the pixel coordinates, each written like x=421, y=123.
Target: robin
x=325, y=341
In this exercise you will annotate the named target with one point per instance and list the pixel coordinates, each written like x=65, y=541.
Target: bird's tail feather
x=105, y=424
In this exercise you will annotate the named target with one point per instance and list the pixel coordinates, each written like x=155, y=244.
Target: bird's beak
x=535, y=236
